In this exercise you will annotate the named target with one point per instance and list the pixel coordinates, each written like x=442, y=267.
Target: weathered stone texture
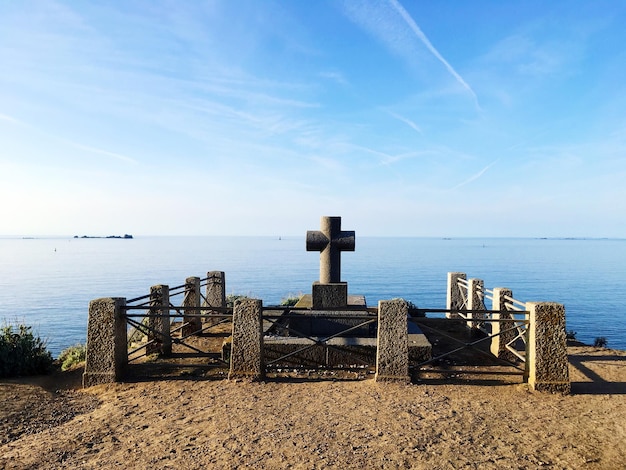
x=246, y=357
x=330, y=241
x=333, y=295
x=160, y=331
x=546, y=360
x=392, y=355
x=475, y=296
x=455, y=300
x=191, y=299
x=502, y=331
x=215, y=293
x=106, y=357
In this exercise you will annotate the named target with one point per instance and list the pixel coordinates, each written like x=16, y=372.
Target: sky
x=244, y=117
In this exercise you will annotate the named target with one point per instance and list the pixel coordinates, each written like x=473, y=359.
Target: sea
x=48, y=282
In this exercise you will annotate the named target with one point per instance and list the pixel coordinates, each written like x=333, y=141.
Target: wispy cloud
x=407, y=121
x=4, y=117
x=97, y=151
x=474, y=177
x=398, y=33
x=124, y=158
x=422, y=37
x=335, y=76
x=385, y=159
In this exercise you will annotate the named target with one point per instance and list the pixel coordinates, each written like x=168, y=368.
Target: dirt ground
x=329, y=420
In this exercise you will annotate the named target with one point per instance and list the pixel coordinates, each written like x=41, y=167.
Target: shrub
x=570, y=334
x=232, y=298
x=72, y=356
x=600, y=342
x=22, y=353
x=290, y=300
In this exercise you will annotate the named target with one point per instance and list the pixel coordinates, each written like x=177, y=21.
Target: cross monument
x=330, y=241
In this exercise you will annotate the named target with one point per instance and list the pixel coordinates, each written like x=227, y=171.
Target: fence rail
x=532, y=334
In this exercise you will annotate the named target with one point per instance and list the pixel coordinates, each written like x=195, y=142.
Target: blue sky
x=455, y=118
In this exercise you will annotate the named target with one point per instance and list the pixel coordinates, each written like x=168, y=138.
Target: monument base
x=337, y=352
x=333, y=295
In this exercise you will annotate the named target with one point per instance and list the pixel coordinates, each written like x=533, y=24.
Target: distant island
x=125, y=236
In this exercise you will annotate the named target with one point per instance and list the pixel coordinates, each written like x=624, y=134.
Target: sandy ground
x=189, y=421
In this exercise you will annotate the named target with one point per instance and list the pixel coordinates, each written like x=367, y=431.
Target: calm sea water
x=48, y=283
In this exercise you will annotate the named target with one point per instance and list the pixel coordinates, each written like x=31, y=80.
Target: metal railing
x=433, y=325
x=515, y=309
x=282, y=322
x=141, y=312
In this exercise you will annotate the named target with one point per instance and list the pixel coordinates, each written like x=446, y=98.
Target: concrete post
x=455, y=299
x=193, y=325
x=392, y=348
x=475, y=297
x=215, y=293
x=160, y=332
x=246, y=356
x=546, y=355
x=499, y=329
x=107, y=350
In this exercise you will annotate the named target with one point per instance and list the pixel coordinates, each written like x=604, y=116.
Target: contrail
x=408, y=122
x=422, y=37
x=474, y=177
x=86, y=148
x=5, y=117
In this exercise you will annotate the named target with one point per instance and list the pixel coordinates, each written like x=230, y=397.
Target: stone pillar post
x=502, y=330
x=193, y=325
x=246, y=356
x=215, y=293
x=160, y=332
x=455, y=299
x=475, y=296
x=107, y=350
x=546, y=355
x=392, y=348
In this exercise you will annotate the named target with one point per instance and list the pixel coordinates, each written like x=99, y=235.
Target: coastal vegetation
x=290, y=300
x=72, y=356
x=600, y=342
x=22, y=352
x=231, y=299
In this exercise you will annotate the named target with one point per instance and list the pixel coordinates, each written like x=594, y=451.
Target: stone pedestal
x=546, y=357
x=106, y=356
x=334, y=295
x=315, y=322
x=392, y=355
x=246, y=355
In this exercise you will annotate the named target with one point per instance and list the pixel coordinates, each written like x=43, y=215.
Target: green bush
x=290, y=300
x=72, y=356
x=232, y=298
x=571, y=334
x=22, y=353
x=600, y=342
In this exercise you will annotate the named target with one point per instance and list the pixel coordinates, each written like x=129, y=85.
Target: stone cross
x=330, y=242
